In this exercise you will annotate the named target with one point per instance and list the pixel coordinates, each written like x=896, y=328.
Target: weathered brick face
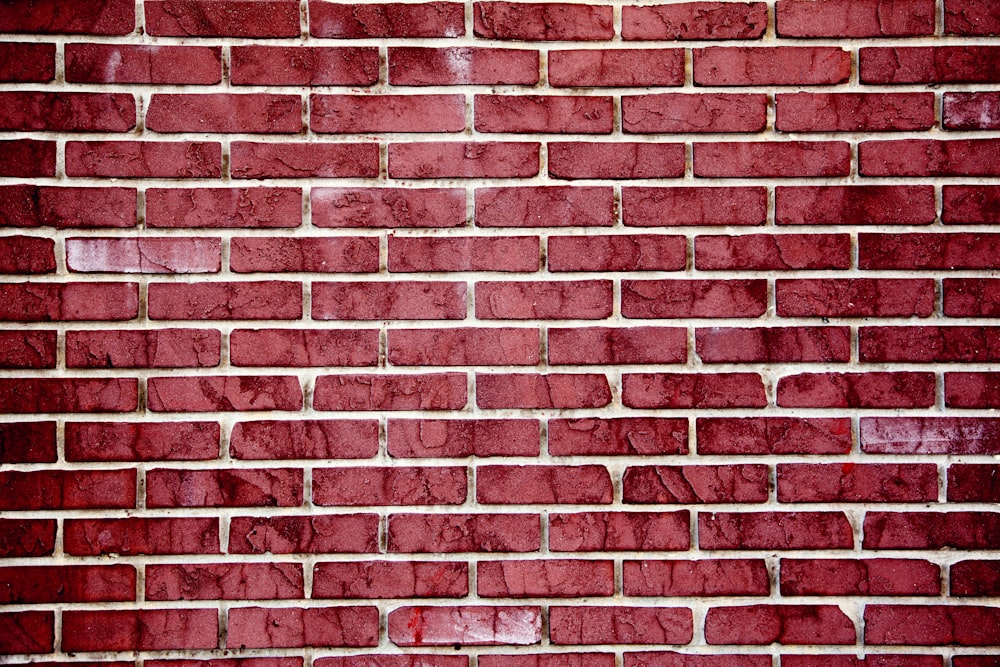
x=489, y=333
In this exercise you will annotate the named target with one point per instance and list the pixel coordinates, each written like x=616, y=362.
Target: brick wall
x=642, y=334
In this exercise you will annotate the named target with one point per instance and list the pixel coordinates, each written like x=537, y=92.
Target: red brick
x=143, y=255
x=693, y=206
x=620, y=531
x=971, y=111
x=256, y=113
x=929, y=344
x=386, y=19
x=857, y=390
x=695, y=578
x=854, y=297
x=262, y=300
x=850, y=482
x=695, y=20
x=973, y=483
x=67, y=208
x=929, y=157
x=144, y=441
x=970, y=17
x=390, y=486
x=693, y=390
x=551, y=299
x=620, y=625
x=356, y=254
x=388, y=207
x=536, y=391
x=693, y=298
x=774, y=530
x=695, y=484
x=771, y=66
x=465, y=626
x=548, y=660
x=930, y=64
x=316, y=533
x=563, y=578
x=854, y=112
x=870, y=576
x=67, y=583
x=972, y=390
x=433, y=438
x=932, y=530
x=26, y=395
x=671, y=659
x=972, y=661
x=139, y=536
x=26, y=158
x=928, y=251
x=546, y=21
x=616, y=67
x=855, y=18
x=21, y=538
x=770, y=252
x=772, y=159
x=870, y=660
x=785, y=624
x=976, y=578
x=546, y=206
x=102, y=17
x=239, y=581
x=223, y=18
x=398, y=300
x=636, y=252
x=613, y=437
x=773, y=435
x=224, y=393
x=431, y=391
x=303, y=66
x=144, y=159
x=461, y=65
x=632, y=345
x=855, y=205
x=28, y=442
x=27, y=632
x=227, y=208
x=931, y=625
x=27, y=349
x=303, y=160
x=543, y=484
x=455, y=159
x=306, y=439
x=140, y=63
x=930, y=435
x=303, y=347
x=464, y=347
x=24, y=62
x=544, y=113
x=68, y=302
x=460, y=533
x=773, y=344
x=971, y=297
x=387, y=113
x=277, y=487
x=464, y=253
x=66, y=112
x=27, y=255
x=258, y=627
x=67, y=489
x=391, y=579
x=684, y=113
x=572, y=160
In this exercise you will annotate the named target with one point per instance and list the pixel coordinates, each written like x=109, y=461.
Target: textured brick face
x=499, y=333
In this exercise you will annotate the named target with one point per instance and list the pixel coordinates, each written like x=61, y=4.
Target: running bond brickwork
x=500, y=334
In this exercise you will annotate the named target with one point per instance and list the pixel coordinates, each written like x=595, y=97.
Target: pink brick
x=769, y=159
x=27, y=158
x=857, y=390
x=67, y=112
x=143, y=255
x=569, y=160
x=562, y=485
x=137, y=536
x=140, y=630
x=300, y=160
x=636, y=252
x=685, y=113
x=214, y=208
x=81, y=395
x=870, y=576
x=464, y=253
x=774, y=530
x=562, y=578
x=580, y=299
x=256, y=113
x=463, y=160
x=387, y=113
x=772, y=252
x=388, y=207
x=146, y=159
x=773, y=344
x=850, y=482
x=773, y=435
x=616, y=67
x=423, y=438
x=855, y=18
x=390, y=486
x=468, y=626
x=237, y=581
x=785, y=624
x=105, y=17
x=855, y=205
x=547, y=206
x=398, y=300
x=693, y=206
x=68, y=490
x=543, y=113
x=224, y=393
x=771, y=66
x=126, y=63
x=554, y=390
x=693, y=390
x=461, y=65
x=261, y=300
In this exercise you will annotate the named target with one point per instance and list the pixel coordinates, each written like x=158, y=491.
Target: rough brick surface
x=509, y=333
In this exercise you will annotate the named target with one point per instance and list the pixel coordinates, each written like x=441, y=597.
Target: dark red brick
x=254, y=113
x=693, y=206
x=562, y=578
x=537, y=391
x=291, y=627
x=855, y=205
x=854, y=297
x=857, y=482
x=971, y=297
x=68, y=302
x=388, y=207
x=929, y=64
x=928, y=251
x=27, y=395
x=620, y=436
x=67, y=489
x=931, y=625
x=620, y=531
x=773, y=435
x=66, y=112
x=857, y=390
x=24, y=158
x=386, y=19
x=140, y=63
x=930, y=435
x=305, y=439
x=568, y=299
x=223, y=18
x=695, y=578
x=619, y=160
x=397, y=485
x=398, y=300
x=637, y=252
x=930, y=157
x=972, y=390
x=140, y=536
x=784, y=624
x=316, y=533
x=102, y=17
x=34, y=584
x=632, y=345
x=453, y=159
x=303, y=160
x=303, y=65
x=21, y=538
x=970, y=17
x=548, y=21
x=433, y=438
x=26, y=62
x=463, y=253
x=224, y=581
x=546, y=206
x=143, y=441
x=28, y=442
x=304, y=255
x=27, y=632
x=437, y=391
x=693, y=390
x=975, y=578
x=695, y=20
x=771, y=66
x=303, y=348
x=172, y=487
x=27, y=255
x=359, y=114
x=66, y=208
x=620, y=625
x=929, y=344
x=773, y=344
x=695, y=484
x=855, y=18
x=685, y=113
x=771, y=252
x=772, y=159
x=391, y=579
x=854, y=112
x=870, y=576
x=544, y=113
x=573, y=485
x=973, y=483
x=223, y=393
x=616, y=67
x=460, y=533
x=693, y=298
x=262, y=300
x=226, y=208
x=774, y=530
x=464, y=347
x=461, y=65
x=932, y=530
